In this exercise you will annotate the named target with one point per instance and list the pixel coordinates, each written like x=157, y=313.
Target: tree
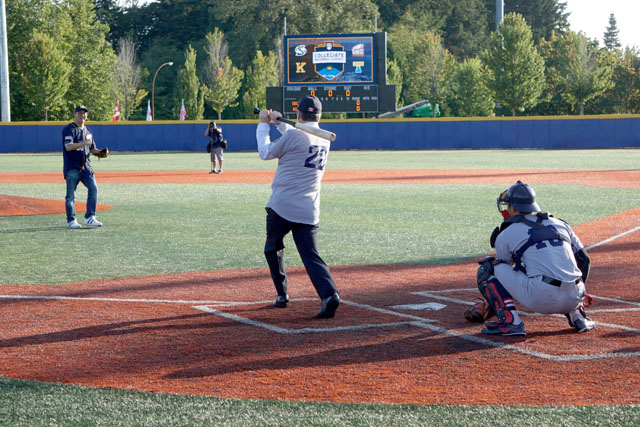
x=189, y=88
x=585, y=78
x=517, y=69
x=624, y=96
x=221, y=78
x=555, y=52
x=472, y=97
x=465, y=36
x=44, y=78
x=262, y=72
x=610, y=37
x=394, y=77
x=432, y=67
x=543, y=16
x=126, y=80
x=94, y=60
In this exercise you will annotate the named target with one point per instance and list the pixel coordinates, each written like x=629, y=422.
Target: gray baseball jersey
x=551, y=258
x=301, y=161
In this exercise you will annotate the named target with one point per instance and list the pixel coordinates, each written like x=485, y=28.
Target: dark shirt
x=76, y=159
x=215, y=138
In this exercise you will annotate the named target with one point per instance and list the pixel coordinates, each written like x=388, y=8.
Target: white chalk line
x=415, y=320
x=611, y=239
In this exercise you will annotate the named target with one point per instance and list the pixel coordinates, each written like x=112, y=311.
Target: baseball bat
x=324, y=134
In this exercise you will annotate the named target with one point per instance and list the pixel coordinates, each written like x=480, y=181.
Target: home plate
x=433, y=306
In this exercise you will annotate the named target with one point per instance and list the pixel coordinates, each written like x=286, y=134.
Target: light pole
x=153, y=88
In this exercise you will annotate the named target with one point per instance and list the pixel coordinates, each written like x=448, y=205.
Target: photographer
x=215, y=145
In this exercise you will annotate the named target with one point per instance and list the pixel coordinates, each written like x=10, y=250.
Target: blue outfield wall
x=356, y=134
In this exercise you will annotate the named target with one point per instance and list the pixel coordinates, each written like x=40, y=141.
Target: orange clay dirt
x=398, y=337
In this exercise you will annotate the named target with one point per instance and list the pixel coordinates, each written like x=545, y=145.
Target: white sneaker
x=92, y=222
x=73, y=224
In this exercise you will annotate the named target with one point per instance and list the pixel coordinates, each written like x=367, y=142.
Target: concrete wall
x=357, y=134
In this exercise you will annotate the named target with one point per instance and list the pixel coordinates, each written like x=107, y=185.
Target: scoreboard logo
x=329, y=59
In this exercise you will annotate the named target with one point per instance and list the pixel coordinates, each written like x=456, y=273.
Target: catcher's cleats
x=504, y=329
x=579, y=319
x=479, y=312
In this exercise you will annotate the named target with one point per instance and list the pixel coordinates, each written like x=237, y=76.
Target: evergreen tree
x=221, y=78
x=517, y=69
x=610, y=37
x=472, y=98
x=263, y=72
x=189, y=88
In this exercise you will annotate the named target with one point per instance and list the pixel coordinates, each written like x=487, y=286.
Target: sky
x=592, y=18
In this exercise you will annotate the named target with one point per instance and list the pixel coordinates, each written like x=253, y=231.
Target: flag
x=183, y=111
x=116, y=113
x=149, y=116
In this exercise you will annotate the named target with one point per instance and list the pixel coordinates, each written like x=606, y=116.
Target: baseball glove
x=102, y=153
x=479, y=312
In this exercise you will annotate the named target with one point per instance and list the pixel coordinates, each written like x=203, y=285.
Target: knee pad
x=498, y=298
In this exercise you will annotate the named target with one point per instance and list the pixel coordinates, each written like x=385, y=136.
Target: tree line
x=225, y=52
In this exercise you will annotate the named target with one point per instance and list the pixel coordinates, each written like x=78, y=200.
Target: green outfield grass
x=436, y=159
x=171, y=228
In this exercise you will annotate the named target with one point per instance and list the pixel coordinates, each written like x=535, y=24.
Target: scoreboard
x=347, y=72
x=335, y=99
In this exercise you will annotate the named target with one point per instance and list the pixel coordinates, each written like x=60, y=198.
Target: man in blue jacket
x=77, y=147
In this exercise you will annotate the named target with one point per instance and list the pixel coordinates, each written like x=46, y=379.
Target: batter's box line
x=412, y=320
x=433, y=295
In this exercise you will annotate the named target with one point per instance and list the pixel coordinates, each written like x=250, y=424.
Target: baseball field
x=163, y=316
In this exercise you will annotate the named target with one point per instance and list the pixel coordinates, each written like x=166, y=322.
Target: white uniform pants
x=539, y=296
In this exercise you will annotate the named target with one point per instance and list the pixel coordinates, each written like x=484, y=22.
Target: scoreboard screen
x=335, y=99
x=330, y=59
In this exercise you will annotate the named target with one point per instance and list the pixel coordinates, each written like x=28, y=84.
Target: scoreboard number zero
x=335, y=99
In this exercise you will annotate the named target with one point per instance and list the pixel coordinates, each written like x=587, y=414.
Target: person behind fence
x=215, y=146
x=539, y=262
x=77, y=147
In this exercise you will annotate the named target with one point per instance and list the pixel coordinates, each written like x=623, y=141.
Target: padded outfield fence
x=562, y=132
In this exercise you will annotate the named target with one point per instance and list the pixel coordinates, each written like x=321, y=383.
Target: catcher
x=77, y=147
x=539, y=262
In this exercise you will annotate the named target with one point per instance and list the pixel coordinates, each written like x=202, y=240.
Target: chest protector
x=538, y=233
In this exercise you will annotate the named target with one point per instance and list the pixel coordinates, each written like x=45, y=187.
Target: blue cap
x=81, y=107
x=310, y=104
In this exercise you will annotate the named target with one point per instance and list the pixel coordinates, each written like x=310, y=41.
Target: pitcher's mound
x=20, y=206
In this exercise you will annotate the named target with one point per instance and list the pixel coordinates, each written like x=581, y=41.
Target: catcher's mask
x=520, y=196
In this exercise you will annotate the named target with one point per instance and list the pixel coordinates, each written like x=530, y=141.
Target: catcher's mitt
x=479, y=312
x=102, y=153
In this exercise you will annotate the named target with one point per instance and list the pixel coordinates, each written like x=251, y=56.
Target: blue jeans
x=86, y=177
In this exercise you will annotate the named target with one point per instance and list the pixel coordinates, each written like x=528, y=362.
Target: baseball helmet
x=521, y=196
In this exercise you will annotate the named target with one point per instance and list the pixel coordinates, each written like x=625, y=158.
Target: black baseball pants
x=305, y=237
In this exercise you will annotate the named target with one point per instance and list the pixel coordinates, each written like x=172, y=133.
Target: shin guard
x=498, y=298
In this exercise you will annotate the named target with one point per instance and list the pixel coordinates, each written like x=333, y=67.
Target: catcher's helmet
x=520, y=196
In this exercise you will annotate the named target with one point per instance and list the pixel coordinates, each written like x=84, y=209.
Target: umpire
x=295, y=201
